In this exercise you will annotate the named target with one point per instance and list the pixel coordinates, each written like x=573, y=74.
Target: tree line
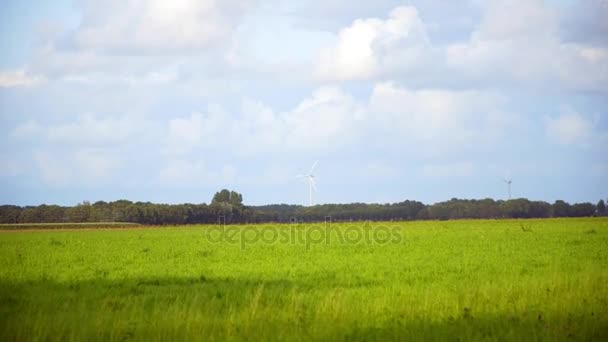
x=227, y=206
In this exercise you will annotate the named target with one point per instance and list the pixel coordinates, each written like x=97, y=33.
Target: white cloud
x=398, y=85
x=253, y=48
x=516, y=19
x=519, y=42
x=443, y=119
x=18, y=78
x=94, y=68
x=89, y=129
x=328, y=119
x=569, y=128
x=208, y=129
x=331, y=119
x=516, y=42
x=84, y=130
x=184, y=133
x=86, y=150
x=156, y=26
x=152, y=78
x=372, y=46
x=29, y=129
x=496, y=47
x=81, y=166
x=151, y=43
x=142, y=42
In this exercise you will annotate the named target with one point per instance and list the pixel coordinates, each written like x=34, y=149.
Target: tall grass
x=468, y=280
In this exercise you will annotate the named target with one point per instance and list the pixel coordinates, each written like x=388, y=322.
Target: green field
x=85, y=225
x=455, y=280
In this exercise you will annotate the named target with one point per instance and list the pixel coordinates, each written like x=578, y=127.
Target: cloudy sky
x=170, y=101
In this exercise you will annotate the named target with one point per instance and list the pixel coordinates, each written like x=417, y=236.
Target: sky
x=171, y=101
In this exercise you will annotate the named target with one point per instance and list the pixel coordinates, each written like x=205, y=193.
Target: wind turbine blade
x=301, y=176
x=313, y=167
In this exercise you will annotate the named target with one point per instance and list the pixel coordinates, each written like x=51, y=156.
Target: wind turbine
x=311, y=182
x=508, y=181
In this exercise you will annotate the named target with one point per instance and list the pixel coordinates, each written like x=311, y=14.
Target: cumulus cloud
x=441, y=118
x=184, y=133
x=140, y=41
x=330, y=119
x=18, y=78
x=156, y=26
x=80, y=166
x=85, y=130
x=372, y=46
x=519, y=42
x=28, y=129
x=85, y=150
x=208, y=129
x=570, y=128
x=326, y=119
x=152, y=42
x=506, y=30
x=516, y=42
x=89, y=129
x=198, y=90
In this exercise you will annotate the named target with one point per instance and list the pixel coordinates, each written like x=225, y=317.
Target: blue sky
x=162, y=101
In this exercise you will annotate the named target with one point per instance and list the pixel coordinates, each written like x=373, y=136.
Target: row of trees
x=449, y=210
x=225, y=203
x=228, y=205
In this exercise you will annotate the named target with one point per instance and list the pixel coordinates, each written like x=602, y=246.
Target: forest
x=228, y=206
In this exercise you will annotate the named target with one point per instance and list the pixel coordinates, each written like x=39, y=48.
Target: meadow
x=508, y=280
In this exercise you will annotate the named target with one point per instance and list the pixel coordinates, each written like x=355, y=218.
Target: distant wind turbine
x=311, y=182
x=508, y=181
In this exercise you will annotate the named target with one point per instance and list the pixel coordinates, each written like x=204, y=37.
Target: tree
x=582, y=210
x=561, y=209
x=228, y=204
x=80, y=213
x=516, y=208
x=540, y=209
x=222, y=196
x=10, y=213
x=601, y=208
x=228, y=197
x=236, y=199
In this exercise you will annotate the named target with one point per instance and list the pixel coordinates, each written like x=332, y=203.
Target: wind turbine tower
x=509, y=181
x=312, y=186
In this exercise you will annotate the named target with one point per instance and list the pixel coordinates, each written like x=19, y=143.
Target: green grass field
x=86, y=225
x=455, y=280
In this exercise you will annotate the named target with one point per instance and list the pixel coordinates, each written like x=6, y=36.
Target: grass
x=455, y=280
x=67, y=225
